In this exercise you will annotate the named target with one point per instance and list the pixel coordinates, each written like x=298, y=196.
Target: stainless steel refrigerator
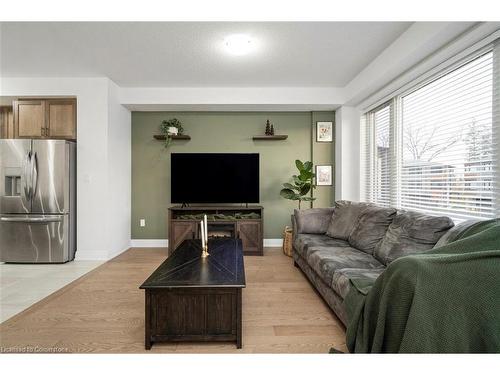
x=37, y=201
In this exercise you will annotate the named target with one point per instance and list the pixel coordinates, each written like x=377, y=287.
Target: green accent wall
x=223, y=132
x=322, y=154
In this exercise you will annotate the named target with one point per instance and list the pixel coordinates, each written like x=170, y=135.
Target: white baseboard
x=273, y=242
x=148, y=243
x=92, y=255
x=268, y=242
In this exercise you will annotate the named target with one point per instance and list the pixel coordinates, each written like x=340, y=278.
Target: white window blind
x=378, y=138
x=439, y=155
x=447, y=148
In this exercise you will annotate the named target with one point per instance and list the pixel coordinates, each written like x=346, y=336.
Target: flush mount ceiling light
x=239, y=44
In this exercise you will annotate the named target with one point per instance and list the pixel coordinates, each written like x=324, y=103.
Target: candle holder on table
x=204, y=237
x=204, y=252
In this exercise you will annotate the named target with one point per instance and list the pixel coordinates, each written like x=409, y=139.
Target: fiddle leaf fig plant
x=170, y=127
x=302, y=183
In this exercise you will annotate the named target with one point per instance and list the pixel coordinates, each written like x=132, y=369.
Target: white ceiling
x=191, y=54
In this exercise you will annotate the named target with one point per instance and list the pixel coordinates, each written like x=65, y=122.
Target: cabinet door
x=250, y=234
x=6, y=123
x=61, y=118
x=180, y=231
x=29, y=118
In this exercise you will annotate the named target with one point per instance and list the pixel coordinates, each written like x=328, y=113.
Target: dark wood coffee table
x=189, y=298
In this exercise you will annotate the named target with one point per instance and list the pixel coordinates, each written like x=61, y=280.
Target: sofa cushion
x=371, y=228
x=325, y=261
x=456, y=232
x=341, y=280
x=410, y=233
x=313, y=220
x=303, y=241
x=344, y=218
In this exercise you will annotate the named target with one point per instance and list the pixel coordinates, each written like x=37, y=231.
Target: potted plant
x=169, y=128
x=301, y=184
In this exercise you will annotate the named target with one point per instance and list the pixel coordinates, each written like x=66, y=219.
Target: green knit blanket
x=446, y=300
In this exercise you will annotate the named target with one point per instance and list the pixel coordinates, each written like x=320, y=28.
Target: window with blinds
x=445, y=158
x=377, y=142
x=447, y=145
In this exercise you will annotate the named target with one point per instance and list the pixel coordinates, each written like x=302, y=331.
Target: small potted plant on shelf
x=169, y=128
x=301, y=185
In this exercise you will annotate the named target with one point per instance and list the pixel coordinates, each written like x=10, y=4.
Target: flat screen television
x=214, y=178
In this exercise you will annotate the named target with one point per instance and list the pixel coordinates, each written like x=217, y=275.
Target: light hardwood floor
x=103, y=312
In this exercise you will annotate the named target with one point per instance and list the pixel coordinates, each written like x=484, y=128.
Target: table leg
x=238, y=319
x=147, y=321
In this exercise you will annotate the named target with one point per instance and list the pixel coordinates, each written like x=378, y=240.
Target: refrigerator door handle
x=34, y=174
x=27, y=180
x=43, y=219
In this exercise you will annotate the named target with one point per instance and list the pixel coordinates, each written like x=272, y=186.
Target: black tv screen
x=214, y=178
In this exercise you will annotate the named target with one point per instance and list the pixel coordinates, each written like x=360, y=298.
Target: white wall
x=100, y=230
x=347, y=153
x=119, y=172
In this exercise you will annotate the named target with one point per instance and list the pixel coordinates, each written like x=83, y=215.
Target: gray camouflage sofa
x=331, y=245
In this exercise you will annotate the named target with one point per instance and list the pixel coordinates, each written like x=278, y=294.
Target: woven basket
x=287, y=241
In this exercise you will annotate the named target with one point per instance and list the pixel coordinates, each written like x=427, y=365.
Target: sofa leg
x=295, y=264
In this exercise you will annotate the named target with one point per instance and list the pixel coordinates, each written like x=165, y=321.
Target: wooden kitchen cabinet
x=45, y=118
x=61, y=118
x=29, y=118
x=6, y=122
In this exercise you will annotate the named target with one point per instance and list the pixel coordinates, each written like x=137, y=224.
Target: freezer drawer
x=34, y=238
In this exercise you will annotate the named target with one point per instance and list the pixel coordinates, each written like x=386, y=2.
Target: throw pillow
x=313, y=220
x=344, y=219
x=410, y=233
x=371, y=228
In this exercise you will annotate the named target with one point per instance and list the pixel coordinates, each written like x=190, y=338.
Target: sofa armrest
x=312, y=220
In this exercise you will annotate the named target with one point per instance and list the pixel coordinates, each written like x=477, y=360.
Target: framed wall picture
x=324, y=175
x=324, y=131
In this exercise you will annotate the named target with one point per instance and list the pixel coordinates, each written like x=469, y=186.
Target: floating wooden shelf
x=269, y=137
x=161, y=137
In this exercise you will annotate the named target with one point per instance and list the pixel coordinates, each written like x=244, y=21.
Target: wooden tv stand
x=245, y=223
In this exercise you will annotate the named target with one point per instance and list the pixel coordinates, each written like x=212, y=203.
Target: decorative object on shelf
x=324, y=131
x=170, y=129
x=302, y=184
x=269, y=134
x=268, y=127
x=204, y=237
x=324, y=175
x=287, y=241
